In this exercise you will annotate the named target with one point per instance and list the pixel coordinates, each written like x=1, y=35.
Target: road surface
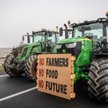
x=22, y=93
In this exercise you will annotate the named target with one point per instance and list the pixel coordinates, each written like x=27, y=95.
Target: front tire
x=30, y=67
x=98, y=80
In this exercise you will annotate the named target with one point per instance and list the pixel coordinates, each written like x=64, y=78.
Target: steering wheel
x=50, y=43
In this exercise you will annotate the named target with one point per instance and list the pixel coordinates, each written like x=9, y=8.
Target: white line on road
x=17, y=94
x=3, y=75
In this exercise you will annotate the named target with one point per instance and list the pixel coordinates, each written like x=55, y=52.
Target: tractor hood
x=27, y=50
x=17, y=50
x=72, y=40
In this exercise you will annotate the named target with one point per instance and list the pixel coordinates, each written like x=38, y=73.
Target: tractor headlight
x=58, y=46
x=72, y=45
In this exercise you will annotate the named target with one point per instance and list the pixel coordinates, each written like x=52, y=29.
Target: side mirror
x=66, y=31
x=61, y=31
x=28, y=39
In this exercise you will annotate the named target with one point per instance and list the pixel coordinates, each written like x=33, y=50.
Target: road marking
x=17, y=94
x=3, y=75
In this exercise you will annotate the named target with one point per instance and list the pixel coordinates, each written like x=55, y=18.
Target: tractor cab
x=97, y=31
x=42, y=42
x=47, y=39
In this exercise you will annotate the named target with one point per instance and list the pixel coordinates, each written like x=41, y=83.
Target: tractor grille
x=74, y=51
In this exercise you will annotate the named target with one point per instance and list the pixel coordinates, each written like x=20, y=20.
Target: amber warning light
x=107, y=14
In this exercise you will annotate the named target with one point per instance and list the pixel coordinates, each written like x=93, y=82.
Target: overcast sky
x=20, y=16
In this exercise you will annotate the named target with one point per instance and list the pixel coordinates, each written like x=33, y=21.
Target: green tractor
x=89, y=44
x=22, y=59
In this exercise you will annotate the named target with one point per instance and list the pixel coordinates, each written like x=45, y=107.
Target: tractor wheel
x=9, y=59
x=30, y=67
x=98, y=80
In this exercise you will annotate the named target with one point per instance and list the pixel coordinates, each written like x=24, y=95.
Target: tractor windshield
x=52, y=37
x=42, y=36
x=39, y=37
x=94, y=29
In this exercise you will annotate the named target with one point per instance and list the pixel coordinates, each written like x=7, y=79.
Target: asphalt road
x=20, y=93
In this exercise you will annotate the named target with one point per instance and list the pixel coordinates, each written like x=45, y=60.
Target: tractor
x=89, y=44
x=22, y=59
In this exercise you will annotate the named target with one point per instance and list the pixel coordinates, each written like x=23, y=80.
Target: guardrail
x=2, y=57
x=2, y=60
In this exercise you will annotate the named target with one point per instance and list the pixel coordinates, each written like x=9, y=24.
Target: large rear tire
x=98, y=80
x=30, y=67
x=9, y=60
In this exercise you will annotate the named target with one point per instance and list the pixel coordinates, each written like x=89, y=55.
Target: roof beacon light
x=107, y=14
